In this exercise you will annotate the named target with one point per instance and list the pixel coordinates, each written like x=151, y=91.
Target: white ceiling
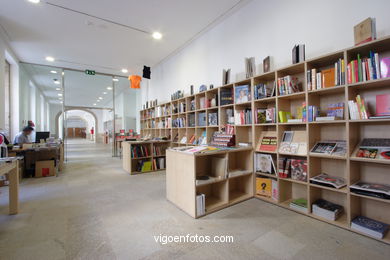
x=80, y=89
x=79, y=41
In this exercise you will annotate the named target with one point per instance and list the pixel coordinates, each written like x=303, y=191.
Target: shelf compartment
x=290, y=105
x=323, y=101
x=213, y=166
x=240, y=161
x=289, y=191
x=337, y=168
x=327, y=132
x=216, y=195
x=240, y=188
x=374, y=209
x=333, y=197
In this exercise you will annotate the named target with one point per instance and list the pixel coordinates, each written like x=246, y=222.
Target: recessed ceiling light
x=124, y=71
x=51, y=59
x=53, y=71
x=104, y=93
x=35, y=1
x=57, y=82
x=109, y=88
x=61, y=102
x=58, y=88
x=59, y=94
x=115, y=79
x=100, y=98
x=157, y=35
x=94, y=104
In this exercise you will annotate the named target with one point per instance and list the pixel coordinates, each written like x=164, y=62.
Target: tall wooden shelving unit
x=349, y=166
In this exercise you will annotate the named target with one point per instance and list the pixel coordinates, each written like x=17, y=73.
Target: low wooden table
x=12, y=168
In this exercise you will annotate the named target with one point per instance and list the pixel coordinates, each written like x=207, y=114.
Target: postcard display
x=292, y=151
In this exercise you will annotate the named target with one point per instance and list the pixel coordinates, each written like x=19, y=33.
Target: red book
x=383, y=105
x=356, y=66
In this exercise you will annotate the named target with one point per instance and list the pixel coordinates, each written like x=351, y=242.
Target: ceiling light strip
x=99, y=18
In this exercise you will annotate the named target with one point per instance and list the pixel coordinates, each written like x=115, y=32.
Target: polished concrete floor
x=94, y=210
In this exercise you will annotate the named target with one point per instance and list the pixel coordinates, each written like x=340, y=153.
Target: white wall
x=262, y=28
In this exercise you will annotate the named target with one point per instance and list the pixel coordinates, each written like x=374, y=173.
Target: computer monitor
x=41, y=135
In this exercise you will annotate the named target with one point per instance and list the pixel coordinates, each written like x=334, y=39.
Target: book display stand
x=347, y=166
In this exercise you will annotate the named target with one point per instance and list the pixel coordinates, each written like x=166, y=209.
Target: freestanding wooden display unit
x=130, y=163
x=350, y=167
x=223, y=189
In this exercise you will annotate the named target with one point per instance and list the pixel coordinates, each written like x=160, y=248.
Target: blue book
x=369, y=226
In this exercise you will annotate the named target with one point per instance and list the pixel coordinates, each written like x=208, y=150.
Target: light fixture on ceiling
x=59, y=94
x=124, y=71
x=100, y=98
x=60, y=98
x=56, y=81
x=50, y=59
x=34, y=1
x=94, y=104
x=53, y=71
x=61, y=102
x=104, y=93
x=109, y=88
x=157, y=35
x=114, y=79
x=58, y=88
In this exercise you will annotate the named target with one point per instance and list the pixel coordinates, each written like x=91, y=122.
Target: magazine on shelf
x=371, y=189
x=329, y=181
x=264, y=163
x=324, y=147
x=369, y=226
x=299, y=170
x=242, y=94
x=374, y=148
x=326, y=209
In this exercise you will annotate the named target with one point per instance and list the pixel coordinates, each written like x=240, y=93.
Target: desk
x=12, y=168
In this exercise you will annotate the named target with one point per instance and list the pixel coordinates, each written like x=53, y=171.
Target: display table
x=12, y=168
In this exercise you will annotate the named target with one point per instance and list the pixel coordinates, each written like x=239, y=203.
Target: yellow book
x=264, y=187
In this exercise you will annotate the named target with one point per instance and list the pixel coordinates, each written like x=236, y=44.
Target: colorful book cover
x=264, y=187
x=385, y=67
x=242, y=94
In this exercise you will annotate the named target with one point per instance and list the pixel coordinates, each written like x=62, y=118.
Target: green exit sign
x=90, y=72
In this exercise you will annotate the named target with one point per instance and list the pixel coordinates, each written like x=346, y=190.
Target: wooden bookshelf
x=130, y=163
x=350, y=167
x=220, y=191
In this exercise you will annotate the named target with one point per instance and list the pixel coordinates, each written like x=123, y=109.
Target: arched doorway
x=82, y=120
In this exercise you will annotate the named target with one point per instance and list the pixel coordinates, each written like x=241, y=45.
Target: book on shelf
x=268, y=142
x=229, y=116
x=299, y=204
x=385, y=67
x=369, y=226
x=202, y=102
x=284, y=168
x=262, y=90
x=266, y=64
x=330, y=147
x=264, y=187
x=191, y=120
x=202, y=119
x=364, y=69
x=192, y=105
x=182, y=107
x=365, y=31
x=202, y=140
x=328, y=181
x=275, y=190
x=225, y=77
x=358, y=110
x=159, y=163
x=223, y=139
x=374, y=148
x=265, y=115
x=318, y=79
x=298, y=169
x=144, y=166
x=264, y=163
x=242, y=94
x=192, y=139
x=243, y=117
x=213, y=119
x=382, y=105
x=175, y=138
x=179, y=122
x=200, y=204
x=284, y=116
x=250, y=67
x=288, y=85
x=138, y=151
x=293, y=142
x=183, y=140
x=226, y=96
x=298, y=53
x=371, y=189
x=327, y=209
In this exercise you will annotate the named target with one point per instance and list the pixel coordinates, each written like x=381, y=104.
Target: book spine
x=378, y=72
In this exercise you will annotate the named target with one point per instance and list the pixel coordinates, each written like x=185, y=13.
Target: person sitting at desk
x=22, y=137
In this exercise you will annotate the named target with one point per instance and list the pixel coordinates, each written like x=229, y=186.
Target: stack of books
x=370, y=227
x=299, y=204
x=326, y=209
x=221, y=139
x=263, y=91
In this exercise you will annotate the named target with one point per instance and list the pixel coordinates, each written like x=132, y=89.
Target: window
x=7, y=98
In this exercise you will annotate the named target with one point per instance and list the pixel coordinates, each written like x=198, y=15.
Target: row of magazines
x=364, y=188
